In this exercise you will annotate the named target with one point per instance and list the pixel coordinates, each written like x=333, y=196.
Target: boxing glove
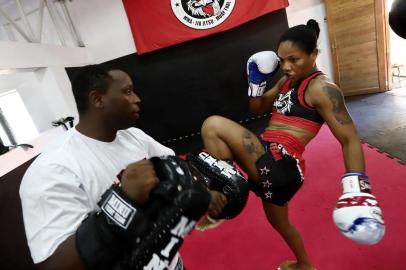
x=261, y=66
x=357, y=214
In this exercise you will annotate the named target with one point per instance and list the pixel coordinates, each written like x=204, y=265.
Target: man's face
x=296, y=64
x=121, y=104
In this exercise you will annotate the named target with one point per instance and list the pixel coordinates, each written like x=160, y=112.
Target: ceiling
x=10, y=7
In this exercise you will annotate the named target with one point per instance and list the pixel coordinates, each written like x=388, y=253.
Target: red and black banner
x=157, y=24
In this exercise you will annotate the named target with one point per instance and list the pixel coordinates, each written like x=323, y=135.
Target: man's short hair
x=86, y=79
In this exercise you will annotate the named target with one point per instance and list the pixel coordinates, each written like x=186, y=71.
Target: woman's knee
x=213, y=124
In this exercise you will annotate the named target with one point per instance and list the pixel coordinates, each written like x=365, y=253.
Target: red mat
x=249, y=242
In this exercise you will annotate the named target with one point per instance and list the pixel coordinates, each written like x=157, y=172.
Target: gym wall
x=179, y=86
x=182, y=85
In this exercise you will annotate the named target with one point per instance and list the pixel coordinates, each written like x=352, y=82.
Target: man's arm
x=329, y=102
x=264, y=103
x=65, y=257
x=137, y=181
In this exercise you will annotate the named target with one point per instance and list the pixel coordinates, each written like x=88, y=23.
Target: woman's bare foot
x=292, y=265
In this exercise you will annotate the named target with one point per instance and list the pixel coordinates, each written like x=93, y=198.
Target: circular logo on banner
x=202, y=14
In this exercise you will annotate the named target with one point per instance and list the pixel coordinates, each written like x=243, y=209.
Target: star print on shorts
x=267, y=184
x=268, y=195
x=264, y=170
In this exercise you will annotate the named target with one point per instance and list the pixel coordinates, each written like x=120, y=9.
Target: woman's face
x=296, y=64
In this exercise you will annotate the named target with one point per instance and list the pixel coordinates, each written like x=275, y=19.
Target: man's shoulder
x=145, y=142
x=134, y=133
x=47, y=163
x=58, y=152
x=62, y=144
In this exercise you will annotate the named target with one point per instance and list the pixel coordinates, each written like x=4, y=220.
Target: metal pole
x=58, y=13
x=40, y=20
x=26, y=14
x=55, y=22
x=18, y=28
x=10, y=32
x=25, y=20
x=71, y=25
x=62, y=21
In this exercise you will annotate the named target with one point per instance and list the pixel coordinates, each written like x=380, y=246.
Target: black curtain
x=182, y=85
x=13, y=245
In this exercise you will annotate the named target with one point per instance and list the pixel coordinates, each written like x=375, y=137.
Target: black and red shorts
x=281, y=168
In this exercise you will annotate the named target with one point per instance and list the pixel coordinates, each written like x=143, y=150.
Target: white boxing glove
x=260, y=67
x=357, y=214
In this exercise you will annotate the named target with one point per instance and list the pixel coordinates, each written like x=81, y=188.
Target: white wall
x=30, y=55
x=299, y=12
x=56, y=92
x=104, y=28
x=27, y=86
x=105, y=31
x=12, y=159
x=397, y=54
x=46, y=94
x=397, y=46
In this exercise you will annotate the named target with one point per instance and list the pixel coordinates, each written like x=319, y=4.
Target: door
x=357, y=32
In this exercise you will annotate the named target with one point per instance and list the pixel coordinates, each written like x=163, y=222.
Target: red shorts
x=291, y=143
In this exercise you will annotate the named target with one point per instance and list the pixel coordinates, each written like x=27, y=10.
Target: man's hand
x=217, y=204
x=138, y=180
x=224, y=178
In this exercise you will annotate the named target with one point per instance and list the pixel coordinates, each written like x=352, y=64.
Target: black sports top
x=291, y=108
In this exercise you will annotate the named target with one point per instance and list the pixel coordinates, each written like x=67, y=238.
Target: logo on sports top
x=202, y=14
x=283, y=103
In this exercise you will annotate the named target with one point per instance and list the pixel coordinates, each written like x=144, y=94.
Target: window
x=16, y=125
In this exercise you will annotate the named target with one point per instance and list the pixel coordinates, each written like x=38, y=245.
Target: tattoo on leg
x=340, y=111
x=249, y=144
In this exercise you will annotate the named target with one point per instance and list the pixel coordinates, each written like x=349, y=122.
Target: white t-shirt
x=66, y=181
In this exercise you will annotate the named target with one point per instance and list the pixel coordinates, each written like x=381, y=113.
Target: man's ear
x=95, y=99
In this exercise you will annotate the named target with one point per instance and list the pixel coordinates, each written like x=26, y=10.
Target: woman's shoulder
x=321, y=90
x=321, y=83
